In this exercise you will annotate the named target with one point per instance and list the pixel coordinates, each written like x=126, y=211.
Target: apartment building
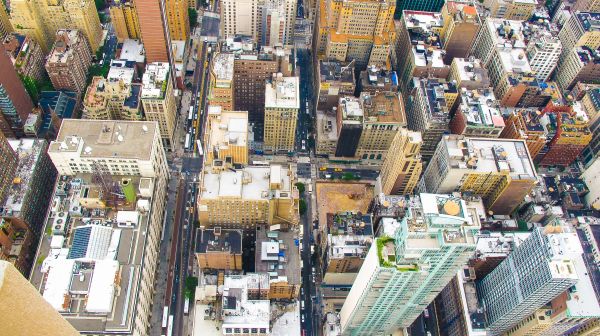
x=269, y=22
x=219, y=249
x=513, y=9
x=115, y=97
x=26, y=55
x=461, y=25
x=5, y=25
x=342, y=38
x=15, y=103
x=177, y=19
x=158, y=100
x=401, y=171
x=334, y=80
x=282, y=103
x=221, y=81
x=477, y=114
x=243, y=198
x=581, y=29
x=405, y=269
x=8, y=160
x=591, y=105
x=580, y=65
x=226, y=136
x=587, y=6
x=468, y=73
x=69, y=61
x=543, y=50
x=41, y=20
x=498, y=170
x=525, y=124
x=125, y=21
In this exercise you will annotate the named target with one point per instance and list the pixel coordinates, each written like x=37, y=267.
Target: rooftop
x=283, y=92
x=498, y=244
x=588, y=20
x=29, y=152
x=278, y=255
x=238, y=310
x=62, y=50
x=350, y=234
x=133, y=50
x=506, y=33
x=514, y=60
x=383, y=107
x=379, y=78
x=218, y=240
x=480, y=108
x=351, y=110
x=252, y=183
x=336, y=71
x=471, y=69
x=223, y=66
x=121, y=70
x=155, y=80
x=228, y=128
x=106, y=138
x=434, y=91
x=326, y=127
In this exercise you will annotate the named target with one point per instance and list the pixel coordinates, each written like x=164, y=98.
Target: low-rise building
x=477, y=114
x=219, y=249
x=242, y=307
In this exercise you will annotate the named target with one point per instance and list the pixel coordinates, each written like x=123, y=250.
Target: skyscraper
x=69, y=61
x=8, y=162
x=15, y=104
x=177, y=19
x=461, y=25
x=408, y=265
x=5, y=26
x=402, y=167
x=419, y=5
x=26, y=312
x=158, y=99
x=40, y=19
x=124, y=18
x=154, y=30
x=533, y=274
x=282, y=102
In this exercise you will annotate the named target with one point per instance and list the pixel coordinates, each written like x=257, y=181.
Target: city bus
x=191, y=112
x=188, y=138
x=186, y=306
x=200, y=150
x=165, y=316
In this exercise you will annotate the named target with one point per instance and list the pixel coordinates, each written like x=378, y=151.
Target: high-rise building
x=581, y=64
x=349, y=124
x=58, y=105
x=8, y=160
x=5, y=25
x=282, y=103
x=499, y=170
x=581, y=29
x=469, y=74
x=124, y=18
x=219, y=249
x=178, y=19
x=268, y=22
x=543, y=51
x=115, y=97
x=356, y=30
x=512, y=9
x=409, y=264
x=525, y=124
x=221, y=82
x=41, y=20
x=15, y=103
x=477, y=114
x=376, y=79
x=587, y=6
x=402, y=168
x=154, y=30
x=461, y=25
x=69, y=61
x=428, y=110
x=243, y=198
x=334, y=79
x=26, y=55
x=251, y=72
x=419, y=5
x=158, y=100
x=591, y=104
x=226, y=136
x=29, y=313
x=536, y=272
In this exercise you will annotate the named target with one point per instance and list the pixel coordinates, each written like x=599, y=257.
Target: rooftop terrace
x=155, y=80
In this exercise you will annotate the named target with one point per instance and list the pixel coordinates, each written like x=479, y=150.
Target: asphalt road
x=308, y=287
x=304, y=127
x=338, y=173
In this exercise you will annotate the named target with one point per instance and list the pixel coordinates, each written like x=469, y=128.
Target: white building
x=543, y=52
x=591, y=176
x=282, y=102
x=158, y=99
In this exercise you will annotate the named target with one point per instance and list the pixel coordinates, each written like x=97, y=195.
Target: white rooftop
x=514, y=60
x=119, y=72
x=247, y=313
x=133, y=50
x=223, y=66
x=28, y=153
x=500, y=244
x=102, y=288
x=152, y=81
x=249, y=183
x=283, y=92
x=506, y=32
x=479, y=107
x=424, y=21
x=229, y=128
x=58, y=283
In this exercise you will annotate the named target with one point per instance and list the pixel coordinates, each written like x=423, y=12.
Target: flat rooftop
x=92, y=274
x=121, y=70
x=251, y=183
x=383, y=107
x=218, y=240
x=514, y=60
x=379, y=78
x=223, y=66
x=351, y=109
x=499, y=244
x=588, y=20
x=133, y=50
x=283, y=92
x=230, y=128
x=471, y=70
x=154, y=81
x=336, y=71
x=349, y=234
x=278, y=255
x=479, y=108
x=105, y=138
x=239, y=311
x=326, y=127
x=506, y=33
x=62, y=50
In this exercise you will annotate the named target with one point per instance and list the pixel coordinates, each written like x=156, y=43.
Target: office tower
x=5, y=25
x=581, y=64
x=221, y=82
x=499, y=170
x=15, y=103
x=581, y=29
x=591, y=105
x=282, y=102
x=154, y=30
x=468, y=73
x=342, y=38
x=525, y=124
x=226, y=138
x=177, y=18
x=375, y=80
x=418, y=49
x=348, y=237
x=477, y=114
x=116, y=165
x=336, y=79
x=41, y=20
x=236, y=198
x=219, y=249
x=349, y=125
x=419, y=5
x=428, y=110
x=543, y=52
x=251, y=71
x=268, y=22
x=115, y=97
x=284, y=273
x=587, y=6
x=512, y=9
x=408, y=265
x=158, y=99
x=8, y=160
x=125, y=21
x=69, y=61
x=568, y=132
x=401, y=170
x=533, y=274
x=29, y=313
x=461, y=25
x=26, y=55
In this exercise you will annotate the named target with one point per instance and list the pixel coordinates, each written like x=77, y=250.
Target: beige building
x=125, y=21
x=114, y=97
x=226, y=136
x=243, y=198
x=512, y=9
x=5, y=25
x=40, y=19
x=587, y=6
x=282, y=102
x=221, y=81
x=178, y=19
x=356, y=29
x=26, y=55
x=469, y=74
x=219, y=249
x=69, y=61
x=401, y=171
x=26, y=312
x=581, y=64
x=461, y=25
x=158, y=99
x=581, y=29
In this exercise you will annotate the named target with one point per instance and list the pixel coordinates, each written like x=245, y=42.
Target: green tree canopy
x=302, y=207
x=301, y=187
